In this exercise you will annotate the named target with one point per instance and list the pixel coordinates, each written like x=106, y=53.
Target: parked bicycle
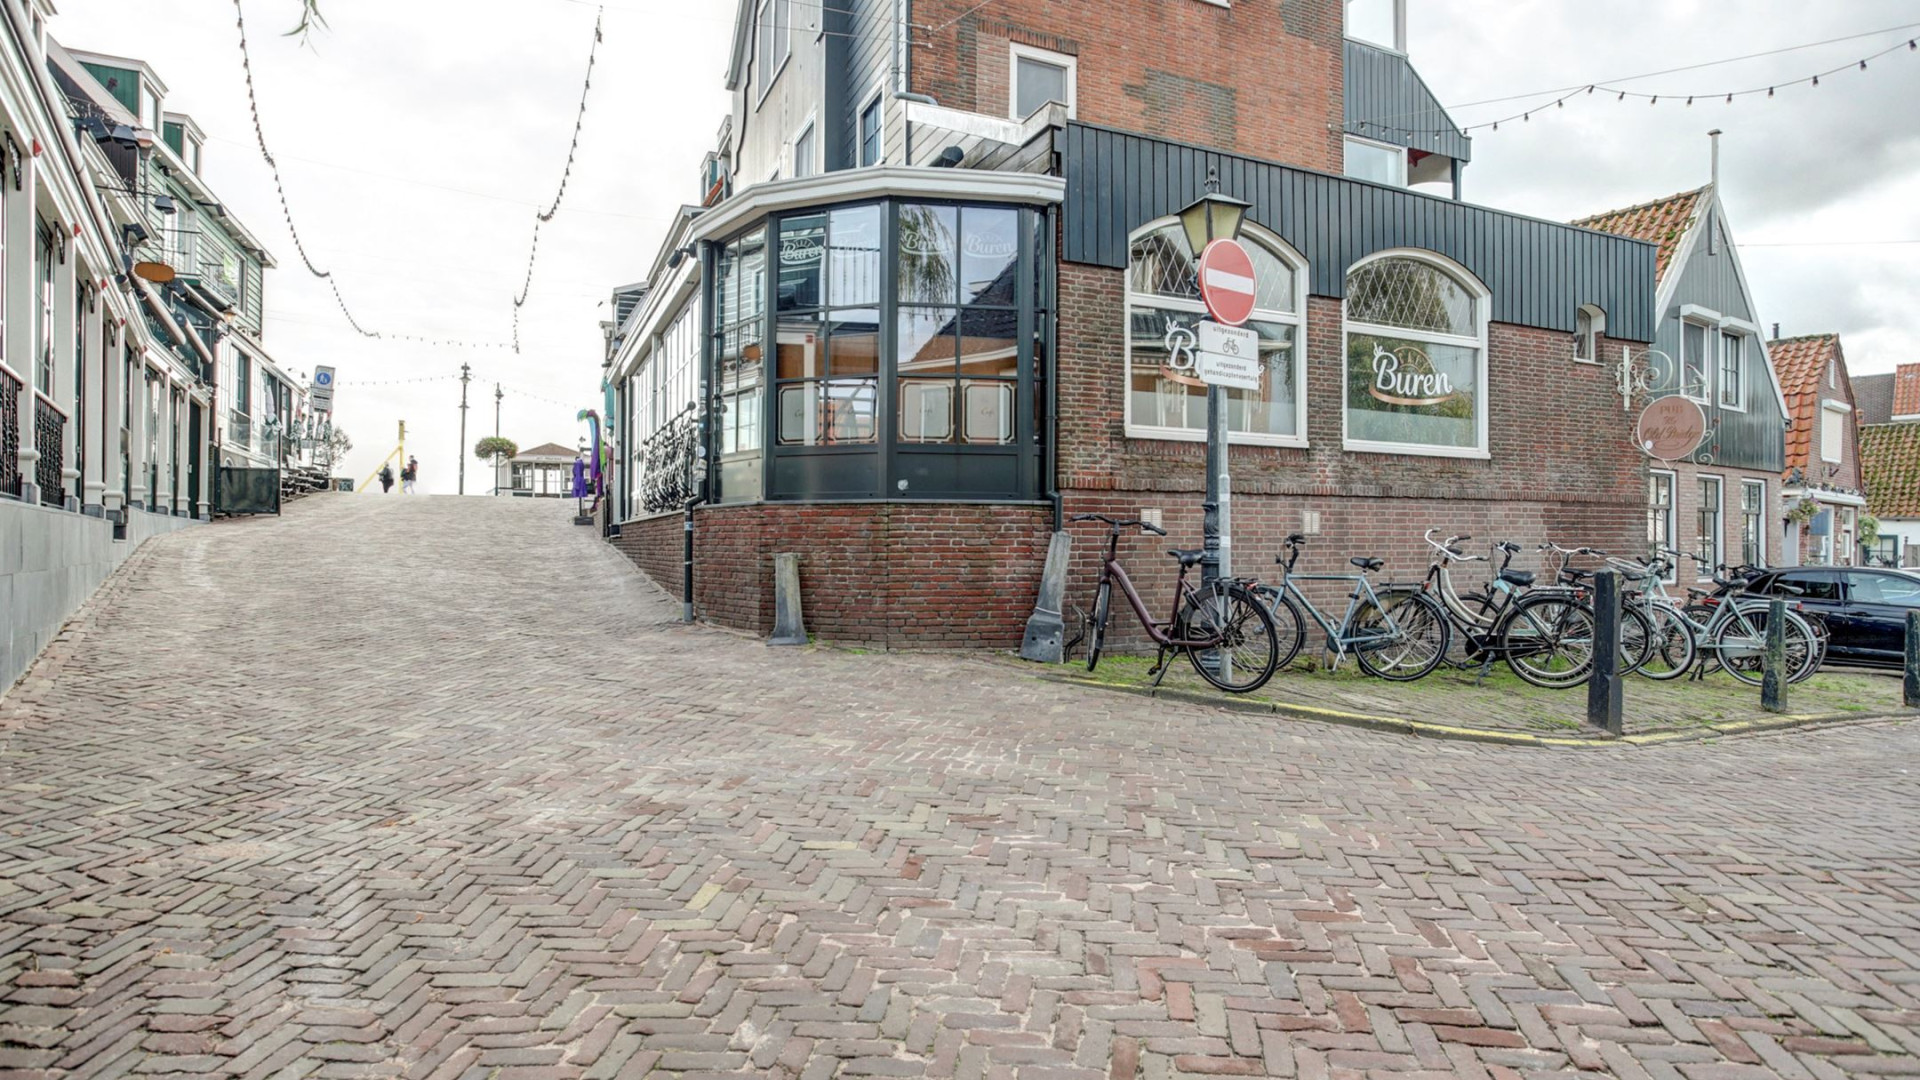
x=1400, y=640
x=1731, y=632
x=1636, y=631
x=1224, y=630
x=1545, y=636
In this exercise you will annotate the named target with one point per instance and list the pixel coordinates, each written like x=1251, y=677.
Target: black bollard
x=1605, y=685
x=1773, y=680
x=1913, y=660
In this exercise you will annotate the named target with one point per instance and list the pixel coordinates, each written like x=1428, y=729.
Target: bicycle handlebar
x=1119, y=524
x=1445, y=547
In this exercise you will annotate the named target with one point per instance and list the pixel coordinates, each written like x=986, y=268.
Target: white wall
x=51, y=561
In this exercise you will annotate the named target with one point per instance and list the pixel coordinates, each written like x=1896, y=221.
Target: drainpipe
x=686, y=570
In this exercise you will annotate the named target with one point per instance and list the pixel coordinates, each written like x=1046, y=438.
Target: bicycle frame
x=1337, y=639
x=1112, y=571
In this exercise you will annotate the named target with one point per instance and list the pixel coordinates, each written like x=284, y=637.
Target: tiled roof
x=1663, y=222
x=1800, y=364
x=1890, y=466
x=1873, y=398
x=549, y=450
x=1906, y=390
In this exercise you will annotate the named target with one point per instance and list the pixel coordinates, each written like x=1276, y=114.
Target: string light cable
x=286, y=208
x=1620, y=93
x=566, y=173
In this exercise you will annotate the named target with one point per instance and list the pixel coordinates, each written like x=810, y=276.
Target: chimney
x=1713, y=179
x=1776, y=331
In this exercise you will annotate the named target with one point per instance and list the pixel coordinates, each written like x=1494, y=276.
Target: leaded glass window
x=1415, y=359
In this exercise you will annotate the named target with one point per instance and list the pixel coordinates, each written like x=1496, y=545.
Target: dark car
x=1865, y=608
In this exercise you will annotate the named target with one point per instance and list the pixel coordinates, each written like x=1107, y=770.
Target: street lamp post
x=1215, y=217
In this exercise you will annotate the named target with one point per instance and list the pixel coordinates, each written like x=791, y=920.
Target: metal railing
x=9, y=434
x=50, y=439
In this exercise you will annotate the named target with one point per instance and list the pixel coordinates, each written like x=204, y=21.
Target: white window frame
x=1483, y=317
x=1399, y=152
x=1839, y=410
x=783, y=50
x=1719, y=518
x=1738, y=403
x=1673, y=516
x=1281, y=250
x=875, y=101
x=808, y=130
x=1017, y=52
x=1586, y=343
x=1708, y=362
x=1760, y=554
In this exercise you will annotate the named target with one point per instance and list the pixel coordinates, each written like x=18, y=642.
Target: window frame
x=1586, y=341
x=1707, y=331
x=809, y=132
x=1483, y=319
x=1275, y=246
x=766, y=32
x=874, y=103
x=1838, y=413
x=1719, y=513
x=1018, y=52
x=1672, y=516
x=1399, y=153
x=1759, y=520
x=1738, y=402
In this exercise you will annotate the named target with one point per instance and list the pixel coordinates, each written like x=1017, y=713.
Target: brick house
x=1887, y=410
x=1723, y=502
x=1823, y=451
x=920, y=315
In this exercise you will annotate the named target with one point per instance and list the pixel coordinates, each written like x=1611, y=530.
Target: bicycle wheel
x=1741, y=645
x=1289, y=626
x=1636, y=640
x=1548, y=641
x=1409, y=646
x=1097, y=623
x=1673, y=645
x=1241, y=650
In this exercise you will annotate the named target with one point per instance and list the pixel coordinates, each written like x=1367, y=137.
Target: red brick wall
x=1262, y=77
x=904, y=575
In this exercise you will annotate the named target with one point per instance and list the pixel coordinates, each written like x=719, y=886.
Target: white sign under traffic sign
x=1227, y=356
x=320, y=394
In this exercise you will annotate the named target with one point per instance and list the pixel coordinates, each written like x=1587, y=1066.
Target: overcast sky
x=418, y=139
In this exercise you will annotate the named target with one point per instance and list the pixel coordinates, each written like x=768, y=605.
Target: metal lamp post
x=1215, y=217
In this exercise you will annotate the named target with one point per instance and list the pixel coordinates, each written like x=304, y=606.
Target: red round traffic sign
x=1226, y=282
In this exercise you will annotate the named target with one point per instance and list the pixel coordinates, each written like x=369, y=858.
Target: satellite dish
x=156, y=272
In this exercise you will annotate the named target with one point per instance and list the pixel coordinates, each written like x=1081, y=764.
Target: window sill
x=1466, y=453
x=1289, y=442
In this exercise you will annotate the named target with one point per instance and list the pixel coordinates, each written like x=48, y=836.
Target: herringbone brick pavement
x=431, y=788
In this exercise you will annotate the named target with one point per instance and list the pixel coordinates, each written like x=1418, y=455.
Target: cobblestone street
x=438, y=788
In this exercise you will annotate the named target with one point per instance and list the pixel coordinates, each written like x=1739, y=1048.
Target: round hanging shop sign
x=1227, y=282
x=1670, y=428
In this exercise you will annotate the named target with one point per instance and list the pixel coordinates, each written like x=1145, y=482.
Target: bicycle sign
x=1228, y=356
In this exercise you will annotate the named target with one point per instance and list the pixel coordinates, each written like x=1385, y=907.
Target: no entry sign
x=1226, y=281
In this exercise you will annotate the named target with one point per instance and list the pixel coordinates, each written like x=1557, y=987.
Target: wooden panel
x=1387, y=101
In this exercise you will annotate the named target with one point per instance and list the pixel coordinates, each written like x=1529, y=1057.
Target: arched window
x=1165, y=399
x=1589, y=323
x=1416, y=334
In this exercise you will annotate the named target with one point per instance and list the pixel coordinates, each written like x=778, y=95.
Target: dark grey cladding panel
x=1539, y=272
x=1387, y=101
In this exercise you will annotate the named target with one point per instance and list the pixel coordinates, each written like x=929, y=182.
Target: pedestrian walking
x=410, y=476
x=386, y=479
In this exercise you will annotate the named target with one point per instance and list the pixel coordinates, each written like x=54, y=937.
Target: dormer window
x=1378, y=22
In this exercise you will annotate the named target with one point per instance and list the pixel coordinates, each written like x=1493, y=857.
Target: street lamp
x=1215, y=217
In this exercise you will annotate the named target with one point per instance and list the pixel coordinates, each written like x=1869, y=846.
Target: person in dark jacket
x=386, y=479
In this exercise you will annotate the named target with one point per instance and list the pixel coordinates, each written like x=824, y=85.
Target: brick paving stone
x=438, y=788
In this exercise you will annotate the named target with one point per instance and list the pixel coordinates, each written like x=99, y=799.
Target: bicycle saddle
x=1365, y=563
x=1187, y=558
x=1522, y=578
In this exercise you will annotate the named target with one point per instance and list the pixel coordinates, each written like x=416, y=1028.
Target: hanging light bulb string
x=566, y=173
x=286, y=210
x=1622, y=94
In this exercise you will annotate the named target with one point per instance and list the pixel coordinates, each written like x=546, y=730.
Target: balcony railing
x=50, y=439
x=9, y=434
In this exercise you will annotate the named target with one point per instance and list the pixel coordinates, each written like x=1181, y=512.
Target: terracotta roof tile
x=1801, y=366
x=1890, y=466
x=1663, y=222
x=1906, y=390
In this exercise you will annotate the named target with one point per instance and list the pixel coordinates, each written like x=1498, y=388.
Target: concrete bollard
x=1912, y=690
x=1605, y=686
x=789, y=627
x=1046, y=636
x=1773, y=679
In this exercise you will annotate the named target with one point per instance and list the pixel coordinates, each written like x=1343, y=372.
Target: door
x=194, y=464
x=1876, y=607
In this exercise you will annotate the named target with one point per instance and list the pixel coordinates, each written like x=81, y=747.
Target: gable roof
x=1801, y=365
x=1873, y=397
x=548, y=450
x=1662, y=222
x=1890, y=469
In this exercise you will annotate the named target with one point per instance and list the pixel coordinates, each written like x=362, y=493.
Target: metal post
x=465, y=375
x=1604, y=687
x=1912, y=689
x=1217, y=560
x=1773, y=680
x=497, y=395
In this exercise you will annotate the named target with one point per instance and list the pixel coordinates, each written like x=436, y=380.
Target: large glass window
x=827, y=316
x=740, y=289
x=1377, y=162
x=43, y=313
x=959, y=322
x=1165, y=399
x=1416, y=359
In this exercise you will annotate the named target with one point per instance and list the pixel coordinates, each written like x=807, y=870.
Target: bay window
x=1165, y=398
x=1416, y=358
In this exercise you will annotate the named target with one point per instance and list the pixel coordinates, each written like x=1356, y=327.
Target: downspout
x=1049, y=293
x=686, y=572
